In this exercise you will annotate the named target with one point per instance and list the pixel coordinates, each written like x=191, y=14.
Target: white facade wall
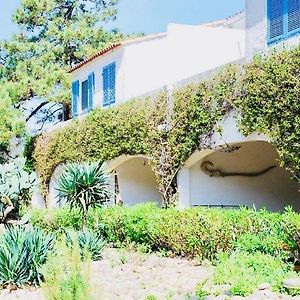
x=158, y=62
x=145, y=66
x=257, y=30
x=96, y=66
x=197, y=49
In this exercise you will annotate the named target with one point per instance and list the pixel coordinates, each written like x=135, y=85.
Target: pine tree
x=54, y=35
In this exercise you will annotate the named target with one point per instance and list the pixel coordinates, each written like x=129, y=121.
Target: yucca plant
x=84, y=186
x=22, y=254
x=89, y=243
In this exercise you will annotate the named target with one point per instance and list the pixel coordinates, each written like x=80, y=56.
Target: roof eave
x=96, y=55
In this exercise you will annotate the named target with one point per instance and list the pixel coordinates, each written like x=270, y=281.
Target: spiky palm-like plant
x=84, y=186
x=88, y=242
x=23, y=252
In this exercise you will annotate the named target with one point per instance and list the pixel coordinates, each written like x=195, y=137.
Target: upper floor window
x=87, y=89
x=283, y=19
x=84, y=95
x=109, y=84
x=75, y=97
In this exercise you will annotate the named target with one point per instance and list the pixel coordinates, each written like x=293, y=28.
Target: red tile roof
x=90, y=58
x=114, y=46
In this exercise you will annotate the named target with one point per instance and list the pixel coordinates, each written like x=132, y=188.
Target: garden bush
x=67, y=277
x=56, y=220
x=23, y=252
x=194, y=232
x=244, y=272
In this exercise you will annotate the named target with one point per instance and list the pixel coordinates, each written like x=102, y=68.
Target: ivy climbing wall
x=264, y=94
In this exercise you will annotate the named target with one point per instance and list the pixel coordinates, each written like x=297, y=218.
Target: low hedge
x=194, y=232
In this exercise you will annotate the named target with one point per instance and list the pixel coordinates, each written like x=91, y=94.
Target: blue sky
x=148, y=16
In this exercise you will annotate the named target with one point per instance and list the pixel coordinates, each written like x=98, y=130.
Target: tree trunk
x=67, y=112
x=84, y=218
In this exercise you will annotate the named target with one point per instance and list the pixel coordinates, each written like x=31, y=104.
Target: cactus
x=16, y=185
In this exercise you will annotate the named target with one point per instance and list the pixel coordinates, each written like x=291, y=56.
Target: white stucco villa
x=246, y=171
x=146, y=65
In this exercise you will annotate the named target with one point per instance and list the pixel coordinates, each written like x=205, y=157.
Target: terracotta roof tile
x=90, y=58
x=114, y=46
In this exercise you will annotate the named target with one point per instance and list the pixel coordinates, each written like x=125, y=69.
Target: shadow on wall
x=135, y=181
x=243, y=174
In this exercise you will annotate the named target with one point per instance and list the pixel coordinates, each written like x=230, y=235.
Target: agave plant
x=22, y=255
x=88, y=242
x=84, y=186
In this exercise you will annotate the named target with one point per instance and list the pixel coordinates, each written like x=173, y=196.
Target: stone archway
x=238, y=171
x=133, y=175
x=245, y=173
x=135, y=179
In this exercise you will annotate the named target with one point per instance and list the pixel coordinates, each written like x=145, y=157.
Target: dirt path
x=134, y=276
x=124, y=275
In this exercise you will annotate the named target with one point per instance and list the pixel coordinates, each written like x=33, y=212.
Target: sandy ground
x=135, y=276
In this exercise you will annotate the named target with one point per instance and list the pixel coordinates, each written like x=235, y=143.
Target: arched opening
x=52, y=200
x=245, y=173
x=133, y=181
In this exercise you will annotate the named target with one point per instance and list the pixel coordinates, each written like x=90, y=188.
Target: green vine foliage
x=169, y=128
x=28, y=152
x=103, y=135
x=269, y=99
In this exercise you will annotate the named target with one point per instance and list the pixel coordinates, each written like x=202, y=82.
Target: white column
x=183, y=180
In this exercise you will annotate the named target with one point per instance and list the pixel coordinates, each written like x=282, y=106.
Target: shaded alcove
x=134, y=180
x=245, y=173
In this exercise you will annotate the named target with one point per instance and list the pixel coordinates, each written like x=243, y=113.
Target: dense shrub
x=22, y=255
x=56, y=220
x=197, y=232
x=261, y=242
x=66, y=276
x=245, y=272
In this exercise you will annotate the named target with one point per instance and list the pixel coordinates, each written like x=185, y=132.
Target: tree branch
x=48, y=116
x=36, y=110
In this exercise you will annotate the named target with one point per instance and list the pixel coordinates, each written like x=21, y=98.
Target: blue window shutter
x=91, y=90
x=112, y=82
x=106, y=85
x=293, y=15
x=275, y=19
x=109, y=84
x=84, y=95
x=75, y=97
